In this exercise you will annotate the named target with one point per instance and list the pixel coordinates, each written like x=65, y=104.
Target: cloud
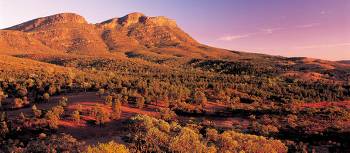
x=309, y=25
x=234, y=37
x=270, y=30
x=323, y=46
x=262, y=31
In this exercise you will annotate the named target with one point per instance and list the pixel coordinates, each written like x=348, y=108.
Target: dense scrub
x=152, y=135
x=271, y=103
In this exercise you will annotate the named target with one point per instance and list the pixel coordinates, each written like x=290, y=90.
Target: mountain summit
x=135, y=32
x=63, y=18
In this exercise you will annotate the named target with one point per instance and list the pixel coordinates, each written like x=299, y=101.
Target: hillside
x=135, y=32
x=144, y=83
x=345, y=61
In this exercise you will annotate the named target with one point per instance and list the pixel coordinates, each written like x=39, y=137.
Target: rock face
x=63, y=18
x=145, y=32
x=66, y=32
x=71, y=33
x=16, y=42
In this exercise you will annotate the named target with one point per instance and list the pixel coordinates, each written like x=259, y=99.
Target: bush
x=110, y=147
x=76, y=116
x=55, y=143
x=140, y=102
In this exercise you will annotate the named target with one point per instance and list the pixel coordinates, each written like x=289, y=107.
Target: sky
x=308, y=28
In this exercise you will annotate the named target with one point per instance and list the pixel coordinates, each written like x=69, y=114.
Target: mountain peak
x=61, y=18
x=135, y=14
x=67, y=17
x=71, y=33
x=132, y=18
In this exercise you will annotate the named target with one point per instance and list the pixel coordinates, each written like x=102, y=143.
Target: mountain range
x=134, y=35
x=135, y=32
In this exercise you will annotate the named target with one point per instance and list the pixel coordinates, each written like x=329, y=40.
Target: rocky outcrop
x=71, y=33
x=63, y=18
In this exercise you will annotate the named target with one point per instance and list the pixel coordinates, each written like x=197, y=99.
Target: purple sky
x=313, y=28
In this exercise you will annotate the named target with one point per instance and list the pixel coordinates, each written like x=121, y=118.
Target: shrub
x=110, y=147
x=167, y=114
x=76, y=116
x=36, y=111
x=109, y=100
x=101, y=92
x=187, y=141
x=101, y=117
x=116, y=110
x=46, y=97
x=140, y=102
x=63, y=102
x=55, y=143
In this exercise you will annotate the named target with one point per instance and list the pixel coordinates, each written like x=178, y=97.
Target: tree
x=4, y=116
x=167, y=114
x=101, y=92
x=21, y=117
x=53, y=116
x=2, y=96
x=85, y=86
x=79, y=107
x=109, y=100
x=140, y=102
x=187, y=141
x=22, y=92
x=63, y=102
x=166, y=101
x=52, y=90
x=116, y=109
x=76, y=116
x=46, y=97
x=52, y=119
x=36, y=111
x=25, y=100
x=101, y=117
x=4, y=130
x=58, y=110
x=17, y=103
x=200, y=98
x=125, y=99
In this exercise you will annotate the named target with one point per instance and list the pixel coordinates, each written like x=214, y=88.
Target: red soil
x=93, y=134
x=345, y=104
